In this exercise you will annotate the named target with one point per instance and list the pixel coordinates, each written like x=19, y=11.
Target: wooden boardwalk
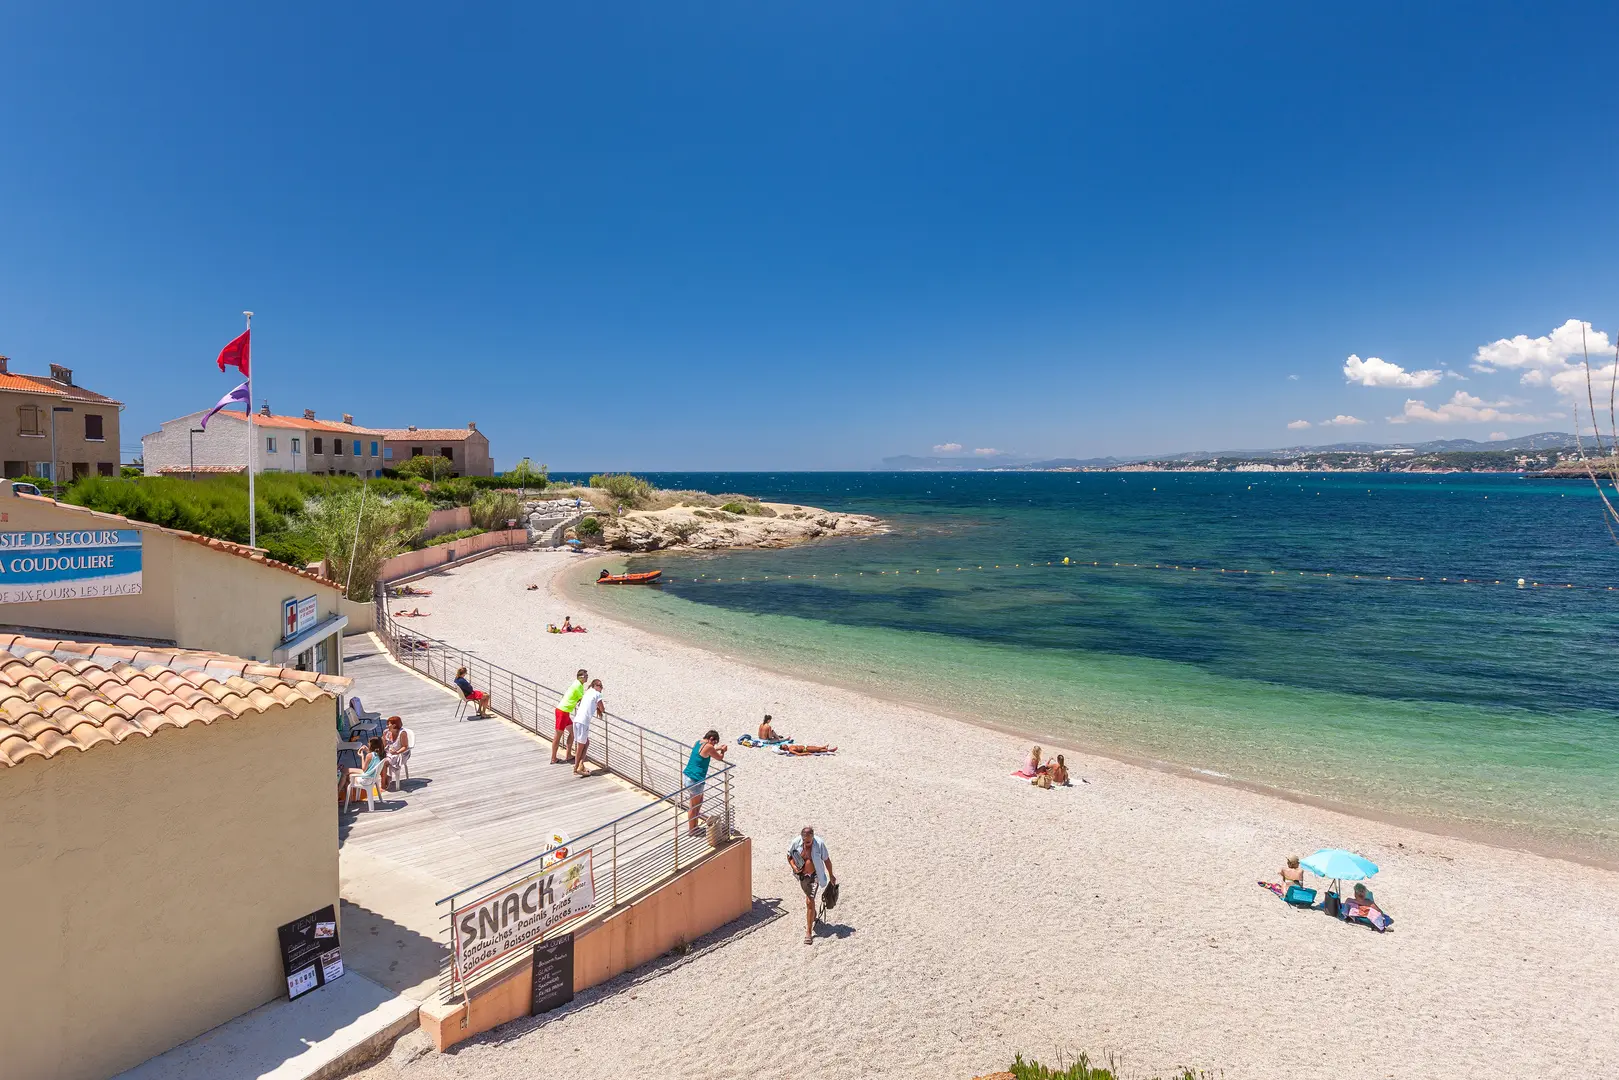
x=482, y=795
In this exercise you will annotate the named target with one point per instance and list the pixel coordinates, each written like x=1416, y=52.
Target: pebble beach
x=982, y=917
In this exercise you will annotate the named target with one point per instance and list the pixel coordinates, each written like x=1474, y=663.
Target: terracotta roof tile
x=39, y=384
x=202, y=470
x=437, y=434
x=54, y=698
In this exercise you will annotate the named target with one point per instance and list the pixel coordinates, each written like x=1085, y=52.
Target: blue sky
x=811, y=236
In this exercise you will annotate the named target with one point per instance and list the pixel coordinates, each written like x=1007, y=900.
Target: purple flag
x=237, y=395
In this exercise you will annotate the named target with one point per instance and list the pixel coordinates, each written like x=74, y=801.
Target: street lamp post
x=56, y=479
x=193, y=440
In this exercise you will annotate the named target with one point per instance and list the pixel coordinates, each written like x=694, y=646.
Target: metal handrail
x=643, y=847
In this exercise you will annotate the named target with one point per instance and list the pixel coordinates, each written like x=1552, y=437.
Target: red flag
x=235, y=354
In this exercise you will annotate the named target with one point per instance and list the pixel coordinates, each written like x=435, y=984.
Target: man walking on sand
x=590, y=707
x=565, y=710
x=812, y=866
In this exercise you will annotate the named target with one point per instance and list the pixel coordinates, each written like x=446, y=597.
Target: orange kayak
x=630, y=579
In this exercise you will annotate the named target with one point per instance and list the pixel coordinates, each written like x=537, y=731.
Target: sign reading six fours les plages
x=493, y=927
x=70, y=564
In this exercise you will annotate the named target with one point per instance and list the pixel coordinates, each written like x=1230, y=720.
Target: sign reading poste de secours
x=493, y=927
x=69, y=564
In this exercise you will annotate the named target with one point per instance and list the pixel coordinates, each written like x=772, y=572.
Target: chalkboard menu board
x=553, y=974
x=310, y=955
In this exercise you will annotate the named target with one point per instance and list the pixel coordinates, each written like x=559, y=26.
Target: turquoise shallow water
x=1489, y=709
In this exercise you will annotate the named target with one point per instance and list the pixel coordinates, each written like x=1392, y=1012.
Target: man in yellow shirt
x=565, y=710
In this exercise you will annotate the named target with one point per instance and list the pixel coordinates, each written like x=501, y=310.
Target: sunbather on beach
x=1362, y=906
x=1291, y=874
x=1031, y=768
x=794, y=748
x=766, y=732
x=1058, y=771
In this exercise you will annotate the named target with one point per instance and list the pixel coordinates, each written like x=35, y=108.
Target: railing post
x=615, y=864
x=643, y=755
x=677, y=838
x=726, y=835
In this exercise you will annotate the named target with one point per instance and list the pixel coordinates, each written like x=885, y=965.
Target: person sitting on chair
x=397, y=742
x=470, y=694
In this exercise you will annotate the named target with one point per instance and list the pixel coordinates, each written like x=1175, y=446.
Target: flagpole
x=252, y=505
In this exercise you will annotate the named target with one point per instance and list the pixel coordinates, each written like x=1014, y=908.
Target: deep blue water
x=1275, y=675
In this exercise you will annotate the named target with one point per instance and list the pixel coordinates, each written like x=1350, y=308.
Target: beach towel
x=1367, y=914
x=749, y=740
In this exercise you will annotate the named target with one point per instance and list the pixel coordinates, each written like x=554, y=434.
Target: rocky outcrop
x=705, y=528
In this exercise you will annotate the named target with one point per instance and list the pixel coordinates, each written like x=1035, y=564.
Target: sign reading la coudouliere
x=69, y=564
x=490, y=929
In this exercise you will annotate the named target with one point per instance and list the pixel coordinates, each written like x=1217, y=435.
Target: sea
x=1430, y=649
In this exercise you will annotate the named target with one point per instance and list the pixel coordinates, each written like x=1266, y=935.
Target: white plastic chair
x=360, y=720
x=461, y=709
x=363, y=784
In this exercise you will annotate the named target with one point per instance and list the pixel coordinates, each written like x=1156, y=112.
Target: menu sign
x=310, y=955
x=553, y=974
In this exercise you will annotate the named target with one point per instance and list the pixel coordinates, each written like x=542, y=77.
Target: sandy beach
x=982, y=917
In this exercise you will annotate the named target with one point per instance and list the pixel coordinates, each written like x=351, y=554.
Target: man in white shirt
x=812, y=866
x=590, y=707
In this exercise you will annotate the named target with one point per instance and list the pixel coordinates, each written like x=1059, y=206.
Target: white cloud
x=1497, y=436
x=1342, y=420
x=947, y=448
x=1462, y=408
x=1292, y=378
x=1550, y=353
x=1449, y=374
x=1373, y=371
x=1298, y=425
x=986, y=451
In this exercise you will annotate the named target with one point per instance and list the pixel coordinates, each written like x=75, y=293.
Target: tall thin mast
x=252, y=504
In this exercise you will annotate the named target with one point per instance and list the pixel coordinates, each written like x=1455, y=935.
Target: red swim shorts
x=478, y=695
x=564, y=719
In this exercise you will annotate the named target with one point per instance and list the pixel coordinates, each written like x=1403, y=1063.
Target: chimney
x=309, y=414
x=348, y=418
x=411, y=428
x=264, y=410
x=4, y=360
x=472, y=425
x=62, y=374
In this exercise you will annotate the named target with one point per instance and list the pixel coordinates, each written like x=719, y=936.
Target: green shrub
x=38, y=481
x=588, y=527
x=448, y=493
x=492, y=509
x=433, y=467
x=130, y=472
x=525, y=474
x=451, y=537
x=1082, y=1069
x=735, y=508
x=629, y=490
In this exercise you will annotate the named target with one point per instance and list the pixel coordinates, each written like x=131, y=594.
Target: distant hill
x=1545, y=440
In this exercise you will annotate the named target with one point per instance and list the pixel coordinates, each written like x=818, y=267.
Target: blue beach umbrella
x=1339, y=864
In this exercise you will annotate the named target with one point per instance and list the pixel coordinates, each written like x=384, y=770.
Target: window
x=297, y=445
x=373, y=448
x=43, y=468
x=415, y=451
x=92, y=427
x=318, y=450
x=103, y=468
x=356, y=447
x=387, y=453
x=29, y=421
x=269, y=444
x=81, y=469
x=447, y=452
x=15, y=469
x=337, y=447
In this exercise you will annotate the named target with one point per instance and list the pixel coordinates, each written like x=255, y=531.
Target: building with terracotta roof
x=86, y=426
x=304, y=444
x=466, y=448
x=162, y=813
x=74, y=571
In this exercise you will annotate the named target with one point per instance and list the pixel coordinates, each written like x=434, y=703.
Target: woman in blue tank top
x=704, y=752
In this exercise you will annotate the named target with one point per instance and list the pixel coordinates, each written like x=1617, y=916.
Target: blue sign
x=69, y=564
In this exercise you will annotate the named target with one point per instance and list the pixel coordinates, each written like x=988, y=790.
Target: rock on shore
x=704, y=528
